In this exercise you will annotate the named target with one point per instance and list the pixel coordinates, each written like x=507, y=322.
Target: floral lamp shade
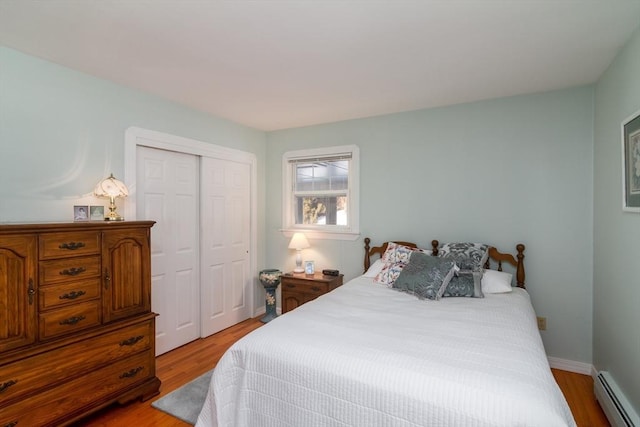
x=111, y=188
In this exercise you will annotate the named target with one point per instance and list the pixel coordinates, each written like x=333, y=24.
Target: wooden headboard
x=494, y=255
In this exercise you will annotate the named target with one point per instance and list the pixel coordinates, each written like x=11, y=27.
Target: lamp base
x=113, y=216
x=299, y=268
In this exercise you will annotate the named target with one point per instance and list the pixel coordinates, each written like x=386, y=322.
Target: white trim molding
x=571, y=366
x=349, y=232
x=135, y=136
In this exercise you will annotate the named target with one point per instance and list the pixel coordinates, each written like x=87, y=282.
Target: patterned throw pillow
x=396, y=253
x=425, y=276
x=468, y=256
x=389, y=273
x=465, y=284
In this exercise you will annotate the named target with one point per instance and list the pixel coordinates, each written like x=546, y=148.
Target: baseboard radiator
x=613, y=402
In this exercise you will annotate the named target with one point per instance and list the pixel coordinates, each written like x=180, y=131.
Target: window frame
x=349, y=232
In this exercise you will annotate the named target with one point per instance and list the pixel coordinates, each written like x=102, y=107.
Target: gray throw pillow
x=465, y=284
x=468, y=256
x=425, y=276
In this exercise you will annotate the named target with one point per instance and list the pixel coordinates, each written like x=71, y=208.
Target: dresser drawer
x=69, y=319
x=308, y=287
x=59, y=295
x=56, y=403
x=44, y=370
x=59, y=245
x=63, y=270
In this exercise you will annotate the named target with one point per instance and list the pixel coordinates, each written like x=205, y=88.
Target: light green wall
x=502, y=172
x=61, y=131
x=616, y=331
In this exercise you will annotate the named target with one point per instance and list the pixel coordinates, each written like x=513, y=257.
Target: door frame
x=135, y=136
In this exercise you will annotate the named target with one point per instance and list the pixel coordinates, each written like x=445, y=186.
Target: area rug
x=186, y=402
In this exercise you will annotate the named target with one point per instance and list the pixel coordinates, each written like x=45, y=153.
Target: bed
x=367, y=354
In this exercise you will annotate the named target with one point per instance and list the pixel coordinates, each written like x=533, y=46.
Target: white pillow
x=374, y=269
x=496, y=282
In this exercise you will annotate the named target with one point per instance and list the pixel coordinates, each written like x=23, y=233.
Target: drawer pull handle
x=11, y=424
x=289, y=285
x=31, y=291
x=74, y=271
x=132, y=373
x=72, y=295
x=131, y=341
x=315, y=288
x=72, y=246
x=72, y=320
x=7, y=384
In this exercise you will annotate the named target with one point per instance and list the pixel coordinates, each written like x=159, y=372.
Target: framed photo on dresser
x=631, y=163
x=81, y=213
x=96, y=213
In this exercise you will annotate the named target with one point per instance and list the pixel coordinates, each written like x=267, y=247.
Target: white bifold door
x=200, y=262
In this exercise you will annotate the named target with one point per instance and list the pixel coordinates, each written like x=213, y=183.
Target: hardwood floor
x=183, y=364
x=578, y=390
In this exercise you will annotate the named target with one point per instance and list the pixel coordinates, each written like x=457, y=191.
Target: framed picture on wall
x=631, y=163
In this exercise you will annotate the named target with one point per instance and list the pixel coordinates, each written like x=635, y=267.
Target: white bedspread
x=366, y=355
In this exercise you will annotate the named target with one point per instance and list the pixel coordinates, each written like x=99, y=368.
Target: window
x=321, y=192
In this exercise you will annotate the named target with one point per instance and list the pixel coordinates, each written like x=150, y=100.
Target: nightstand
x=298, y=288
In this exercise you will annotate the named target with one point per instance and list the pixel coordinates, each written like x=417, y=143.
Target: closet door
x=226, y=230
x=167, y=192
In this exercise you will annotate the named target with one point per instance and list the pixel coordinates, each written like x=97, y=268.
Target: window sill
x=319, y=234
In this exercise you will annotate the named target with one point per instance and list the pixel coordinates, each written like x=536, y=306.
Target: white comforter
x=366, y=355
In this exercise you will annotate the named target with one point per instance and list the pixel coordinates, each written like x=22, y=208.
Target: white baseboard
x=572, y=366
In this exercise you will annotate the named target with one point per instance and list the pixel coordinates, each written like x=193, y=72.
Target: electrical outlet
x=542, y=323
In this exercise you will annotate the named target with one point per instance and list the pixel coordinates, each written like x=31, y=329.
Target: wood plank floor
x=192, y=360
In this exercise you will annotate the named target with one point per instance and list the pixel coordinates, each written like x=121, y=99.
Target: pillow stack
x=413, y=270
x=473, y=280
x=393, y=261
x=470, y=259
x=457, y=271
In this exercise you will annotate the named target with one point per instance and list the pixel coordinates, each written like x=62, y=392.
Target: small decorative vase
x=270, y=279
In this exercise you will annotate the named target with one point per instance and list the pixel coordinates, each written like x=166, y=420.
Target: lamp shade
x=111, y=187
x=299, y=241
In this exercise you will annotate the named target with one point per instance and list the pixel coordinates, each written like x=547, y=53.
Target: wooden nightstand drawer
x=298, y=289
x=308, y=286
x=63, y=270
x=59, y=245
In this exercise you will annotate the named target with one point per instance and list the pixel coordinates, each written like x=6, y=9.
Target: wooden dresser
x=76, y=328
x=298, y=288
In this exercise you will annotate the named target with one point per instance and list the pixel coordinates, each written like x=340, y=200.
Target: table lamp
x=112, y=188
x=299, y=242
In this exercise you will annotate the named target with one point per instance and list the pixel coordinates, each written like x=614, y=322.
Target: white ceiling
x=279, y=64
